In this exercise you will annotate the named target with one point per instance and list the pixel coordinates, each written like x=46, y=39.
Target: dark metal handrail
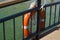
x=2, y=20
x=52, y=4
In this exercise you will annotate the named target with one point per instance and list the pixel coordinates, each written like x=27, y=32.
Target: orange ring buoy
x=27, y=16
x=42, y=20
x=26, y=22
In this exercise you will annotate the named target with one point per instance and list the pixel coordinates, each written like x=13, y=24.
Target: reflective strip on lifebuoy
x=42, y=20
x=25, y=27
x=26, y=32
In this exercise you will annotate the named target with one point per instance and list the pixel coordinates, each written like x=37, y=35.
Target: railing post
x=59, y=14
x=38, y=18
x=4, y=30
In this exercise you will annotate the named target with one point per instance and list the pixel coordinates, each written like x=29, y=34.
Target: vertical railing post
x=55, y=15
x=23, y=27
x=50, y=15
x=4, y=31
x=59, y=14
x=14, y=28
x=38, y=18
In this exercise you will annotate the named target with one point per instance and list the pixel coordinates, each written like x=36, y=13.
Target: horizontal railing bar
x=10, y=3
x=16, y=15
x=47, y=5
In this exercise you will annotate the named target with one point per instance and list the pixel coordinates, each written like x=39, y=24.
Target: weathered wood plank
x=4, y=3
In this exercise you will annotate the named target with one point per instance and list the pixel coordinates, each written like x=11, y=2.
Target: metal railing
x=36, y=34
x=50, y=24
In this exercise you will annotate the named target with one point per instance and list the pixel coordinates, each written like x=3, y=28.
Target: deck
x=53, y=36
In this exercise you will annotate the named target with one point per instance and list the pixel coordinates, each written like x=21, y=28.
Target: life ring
x=27, y=16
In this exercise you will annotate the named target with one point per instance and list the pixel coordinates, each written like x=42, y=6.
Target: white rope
x=43, y=4
x=25, y=27
x=31, y=5
x=34, y=3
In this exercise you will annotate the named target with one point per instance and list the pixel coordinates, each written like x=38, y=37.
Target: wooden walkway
x=53, y=36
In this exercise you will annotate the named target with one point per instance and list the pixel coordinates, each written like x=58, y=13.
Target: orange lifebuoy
x=42, y=20
x=26, y=22
x=27, y=16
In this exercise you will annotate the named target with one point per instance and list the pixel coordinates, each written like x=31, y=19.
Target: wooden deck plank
x=52, y=36
x=4, y=3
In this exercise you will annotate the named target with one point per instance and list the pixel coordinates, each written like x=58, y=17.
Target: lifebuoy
x=27, y=16
x=42, y=20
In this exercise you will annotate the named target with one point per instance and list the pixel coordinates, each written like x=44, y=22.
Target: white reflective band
x=25, y=27
x=42, y=20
